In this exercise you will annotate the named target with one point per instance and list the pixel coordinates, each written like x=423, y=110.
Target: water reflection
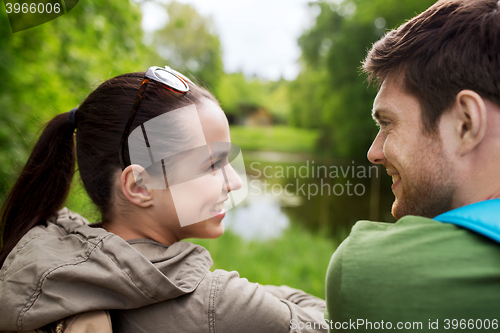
x=260, y=218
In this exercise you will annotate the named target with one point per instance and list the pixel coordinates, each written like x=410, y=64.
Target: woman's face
x=193, y=203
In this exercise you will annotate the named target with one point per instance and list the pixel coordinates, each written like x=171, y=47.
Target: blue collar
x=482, y=217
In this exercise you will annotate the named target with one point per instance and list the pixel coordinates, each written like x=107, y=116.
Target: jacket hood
x=68, y=267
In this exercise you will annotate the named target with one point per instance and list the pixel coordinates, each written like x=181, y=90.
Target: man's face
x=422, y=176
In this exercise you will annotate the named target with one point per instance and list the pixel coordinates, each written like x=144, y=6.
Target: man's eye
x=383, y=124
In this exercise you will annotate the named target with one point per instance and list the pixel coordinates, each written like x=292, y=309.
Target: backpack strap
x=481, y=217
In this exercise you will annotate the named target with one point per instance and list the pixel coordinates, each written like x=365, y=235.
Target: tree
x=188, y=43
x=50, y=68
x=237, y=93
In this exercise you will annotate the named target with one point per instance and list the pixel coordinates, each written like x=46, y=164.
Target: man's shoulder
x=415, y=245
x=416, y=268
x=414, y=232
x=409, y=223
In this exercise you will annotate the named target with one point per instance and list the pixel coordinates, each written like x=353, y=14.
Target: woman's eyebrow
x=220, y=154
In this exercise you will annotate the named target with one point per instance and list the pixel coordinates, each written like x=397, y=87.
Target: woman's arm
x=296, y=296
x=225, y=303
x=241, y=306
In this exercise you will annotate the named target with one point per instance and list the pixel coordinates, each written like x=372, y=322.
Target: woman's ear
x=470, y=111
x=132, y=181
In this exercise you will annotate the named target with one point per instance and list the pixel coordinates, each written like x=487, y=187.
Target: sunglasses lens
x=182, y=76
x=170, y=80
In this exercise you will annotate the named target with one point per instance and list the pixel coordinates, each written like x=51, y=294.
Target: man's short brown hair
x=452, y=46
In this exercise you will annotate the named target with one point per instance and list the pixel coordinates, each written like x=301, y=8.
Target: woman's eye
x=215, y=165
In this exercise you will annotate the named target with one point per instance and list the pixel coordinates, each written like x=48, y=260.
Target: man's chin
x=397, y=210
x=425, y=208
x=402, y=208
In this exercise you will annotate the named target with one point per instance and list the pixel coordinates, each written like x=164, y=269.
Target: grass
x=275, y=138
x=298, y=258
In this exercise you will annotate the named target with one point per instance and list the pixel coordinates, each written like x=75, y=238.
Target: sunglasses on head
x=171, y=80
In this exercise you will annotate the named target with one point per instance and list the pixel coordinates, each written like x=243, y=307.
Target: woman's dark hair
x=44, y=183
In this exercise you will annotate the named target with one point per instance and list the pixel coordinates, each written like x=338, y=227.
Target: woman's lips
x=218, y=210
x=220, y=214
x=218, y=207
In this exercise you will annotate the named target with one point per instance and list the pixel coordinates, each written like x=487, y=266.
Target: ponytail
x=43, y=185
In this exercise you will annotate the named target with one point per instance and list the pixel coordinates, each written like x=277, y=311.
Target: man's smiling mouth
x=396, y=178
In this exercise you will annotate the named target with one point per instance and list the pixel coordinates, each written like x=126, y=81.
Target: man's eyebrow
x=378, y=113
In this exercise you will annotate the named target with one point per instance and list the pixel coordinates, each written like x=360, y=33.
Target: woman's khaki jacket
x=67, y=270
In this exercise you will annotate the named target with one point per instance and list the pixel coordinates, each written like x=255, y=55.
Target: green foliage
x=236, y=93
x=298, y=258
x=275, y=138
x=189, y=44
x=79, y=202
x=277, y=101
x=49, y=69
x=331, y=93
x=307, y=96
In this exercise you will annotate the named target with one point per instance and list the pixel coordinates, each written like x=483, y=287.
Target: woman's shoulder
x=62, y=239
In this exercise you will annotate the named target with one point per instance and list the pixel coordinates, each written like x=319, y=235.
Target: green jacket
x=416, y=274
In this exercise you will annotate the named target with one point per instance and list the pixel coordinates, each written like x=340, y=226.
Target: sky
x=258, y=37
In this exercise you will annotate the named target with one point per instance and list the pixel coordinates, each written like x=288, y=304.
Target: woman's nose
x=233, y=180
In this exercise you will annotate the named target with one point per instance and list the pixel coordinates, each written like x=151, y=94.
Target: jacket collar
x=481, y=217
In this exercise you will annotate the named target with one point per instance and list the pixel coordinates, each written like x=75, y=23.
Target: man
x=438, y=107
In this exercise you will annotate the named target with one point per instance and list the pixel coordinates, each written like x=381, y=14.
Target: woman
x=154, y=155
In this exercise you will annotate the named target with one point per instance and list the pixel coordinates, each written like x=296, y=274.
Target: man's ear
x=471, y=115
x=132, y=186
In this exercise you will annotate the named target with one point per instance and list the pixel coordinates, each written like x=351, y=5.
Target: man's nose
x=376, y=152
